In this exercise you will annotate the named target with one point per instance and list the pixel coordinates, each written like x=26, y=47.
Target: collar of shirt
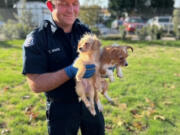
x=55, y=27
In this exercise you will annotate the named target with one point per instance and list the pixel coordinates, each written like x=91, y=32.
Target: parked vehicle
x=133, y=23
x=116, y=23
x=105, y=30
x=102, y=29
x=149, y=22
x=163, y=22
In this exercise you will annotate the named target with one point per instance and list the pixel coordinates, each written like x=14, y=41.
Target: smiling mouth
x=68, y=16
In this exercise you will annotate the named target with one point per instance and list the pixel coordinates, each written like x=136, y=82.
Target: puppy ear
x=114, y=53
x=96, y=45
x=129, y=47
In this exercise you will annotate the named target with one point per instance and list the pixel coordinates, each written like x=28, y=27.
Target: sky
x=177, y=3
x=104, y=3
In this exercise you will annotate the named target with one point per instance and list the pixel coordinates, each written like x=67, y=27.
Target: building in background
x=176, y=3
x=38, y=10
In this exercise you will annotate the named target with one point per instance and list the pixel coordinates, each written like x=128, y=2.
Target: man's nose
x=70, y=8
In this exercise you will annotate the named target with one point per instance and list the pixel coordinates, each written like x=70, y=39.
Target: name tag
x=54, y=50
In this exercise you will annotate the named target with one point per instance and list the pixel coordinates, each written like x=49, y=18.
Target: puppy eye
x=87, y=44
x=121, y=58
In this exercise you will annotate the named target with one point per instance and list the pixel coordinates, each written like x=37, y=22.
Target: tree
x=7, y=3
x=90, y=15
x=162, y=3
x=116, y=7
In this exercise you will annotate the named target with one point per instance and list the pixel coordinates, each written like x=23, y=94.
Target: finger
x=91, y=70
x=89, y=73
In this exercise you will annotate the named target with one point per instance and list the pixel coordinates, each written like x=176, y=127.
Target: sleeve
x=34, y=55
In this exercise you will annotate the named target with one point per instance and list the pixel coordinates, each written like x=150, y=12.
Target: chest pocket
x=57, y=59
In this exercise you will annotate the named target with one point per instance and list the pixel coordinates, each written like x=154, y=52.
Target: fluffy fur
x=89, y=53
x=112, y=56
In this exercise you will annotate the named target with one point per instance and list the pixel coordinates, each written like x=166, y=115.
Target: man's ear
x=49, y=5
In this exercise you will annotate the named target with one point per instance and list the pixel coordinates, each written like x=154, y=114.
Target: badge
x=29, y=41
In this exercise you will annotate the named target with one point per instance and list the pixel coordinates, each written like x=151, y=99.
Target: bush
x=178, y=33
x=95, y=31
x=142, y=33
x=15, y=30
x=155, y=32
x=8, y=29
x=19, y=28
x=123, y=32
x=176, y=22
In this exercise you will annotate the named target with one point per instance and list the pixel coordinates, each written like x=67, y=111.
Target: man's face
x=66, y=11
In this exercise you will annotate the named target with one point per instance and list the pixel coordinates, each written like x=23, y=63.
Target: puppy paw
x=111, y=102
x=88, y=105
x=79, y=99
x=111, y=79
x=93, y=112
x=100, y=108
x=120, y=75
x=78, y=79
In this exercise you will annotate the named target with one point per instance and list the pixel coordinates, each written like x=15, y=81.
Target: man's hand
x=72, y=71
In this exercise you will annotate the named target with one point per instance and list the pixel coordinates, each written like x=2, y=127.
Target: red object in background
x=129, y=27
x=133, y=23
x=49, y=5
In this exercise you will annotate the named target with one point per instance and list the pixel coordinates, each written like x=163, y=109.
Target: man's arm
x=47, y=81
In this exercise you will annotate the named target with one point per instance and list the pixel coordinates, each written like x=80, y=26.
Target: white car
x=102, y=29
x=116, y=23
x=164, y=22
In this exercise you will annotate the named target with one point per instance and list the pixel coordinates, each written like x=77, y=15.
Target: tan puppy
x=112, y=56
x=89, y=53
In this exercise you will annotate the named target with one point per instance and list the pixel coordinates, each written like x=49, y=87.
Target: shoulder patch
x=29, y=41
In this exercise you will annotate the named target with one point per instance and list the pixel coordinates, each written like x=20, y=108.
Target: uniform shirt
x=48, y=49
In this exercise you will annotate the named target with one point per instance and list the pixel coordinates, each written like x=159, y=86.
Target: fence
x=38, y=14
x=7, y=13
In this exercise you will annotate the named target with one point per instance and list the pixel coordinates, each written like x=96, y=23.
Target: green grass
x=146, y=99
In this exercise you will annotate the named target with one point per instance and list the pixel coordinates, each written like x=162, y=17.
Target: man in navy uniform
x=48, y=54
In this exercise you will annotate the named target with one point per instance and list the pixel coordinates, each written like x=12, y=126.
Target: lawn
x=146, y=99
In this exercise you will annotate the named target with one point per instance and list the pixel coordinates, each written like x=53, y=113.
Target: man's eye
x=76, y=3
x=86, y=44
x=64, y=4
x=60, y=3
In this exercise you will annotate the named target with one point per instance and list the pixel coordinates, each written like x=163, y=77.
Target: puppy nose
x=126, y=64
